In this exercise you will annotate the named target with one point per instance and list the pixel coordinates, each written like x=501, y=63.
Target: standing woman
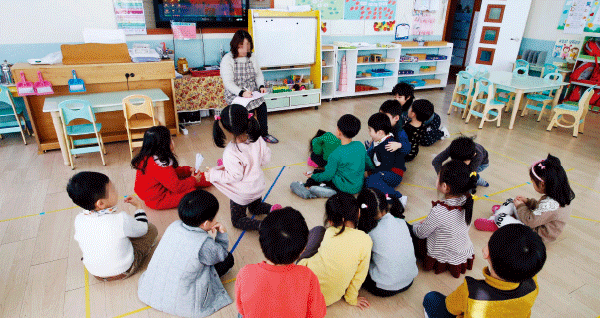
x=242, y=75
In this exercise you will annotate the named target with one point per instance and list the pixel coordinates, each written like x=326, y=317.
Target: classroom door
x=500, y=28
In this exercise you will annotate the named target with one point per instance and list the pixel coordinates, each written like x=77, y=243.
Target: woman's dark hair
x=554, y=177
x=319, y=133
x=236, y=120
x=86, y=188
x=461, y=181
x=197, y=207
x=339, y=208
x=157, y=142
x=406, y=90
x=238, y=39
x=371, y=201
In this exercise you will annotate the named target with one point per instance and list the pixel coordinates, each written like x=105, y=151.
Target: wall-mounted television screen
x=206, y=13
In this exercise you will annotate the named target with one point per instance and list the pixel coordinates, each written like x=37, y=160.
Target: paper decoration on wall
x=183, y=30
x=383, y=26
x=330, y=9
x=379, y=27
x=130, y=16
x=566, y=49
x=427, y=5
x=370, y=10
x=402, y=31
x=423, y=24
x=577, y=16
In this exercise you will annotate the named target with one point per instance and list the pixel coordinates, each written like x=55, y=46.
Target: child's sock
x=404, y=200
x=486, y=225
x=299, y=189
x=482, y=183
x=322, y=192
x=219, y=162
x=446, y=132
x=275, y=207
x=311, y=163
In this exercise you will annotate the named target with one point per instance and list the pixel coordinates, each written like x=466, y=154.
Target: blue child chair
x=485, y=93
x=462, y=93
x=578, y=113
x=12, y=118
x=544, y=98
x=509, y=97
x=81, y=109
x=548, y=68
x=522, y=64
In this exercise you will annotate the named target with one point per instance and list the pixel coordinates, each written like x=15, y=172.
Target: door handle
x=515, y=39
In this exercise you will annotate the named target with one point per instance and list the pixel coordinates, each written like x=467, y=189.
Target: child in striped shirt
x=446, y=228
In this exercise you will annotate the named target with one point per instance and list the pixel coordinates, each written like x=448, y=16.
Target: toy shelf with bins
x=442, y=66
x=384, y=84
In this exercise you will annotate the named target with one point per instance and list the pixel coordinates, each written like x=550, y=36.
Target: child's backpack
x=583, y=72
x=575, y=94
x=595, y=98
x=592, y=48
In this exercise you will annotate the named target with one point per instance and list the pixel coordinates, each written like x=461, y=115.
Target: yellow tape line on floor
x=579, y=217
x=463, y=132
x=30, y=215
x=133, y=312
x=86, y=277
x=507, y=157
x=581, y=185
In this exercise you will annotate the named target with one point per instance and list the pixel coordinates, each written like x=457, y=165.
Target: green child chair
x=485, y=93
x=546, y=98
x=12, y=118
x=462, y=93
x=81, y=109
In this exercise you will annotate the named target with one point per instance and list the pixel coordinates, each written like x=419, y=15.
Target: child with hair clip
x=446, y=229
x=548, y=216
x=321, y=146
x=240, y=177
x=339, y=255
x=393, y=264
x=159, y=181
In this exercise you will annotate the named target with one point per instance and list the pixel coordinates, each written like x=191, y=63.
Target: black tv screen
x=206, y=13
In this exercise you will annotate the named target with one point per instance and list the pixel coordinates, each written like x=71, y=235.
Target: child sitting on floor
x=159, y=179
x=241, y=177
x=404, y=93
x=321, y=147
x=420, y=111
x=515, y=255
x=277, y=287
x=548, y=216
x=345, y=168
x=389, y=166
x=340, y=254
x=113, y=244
x=446, y=229
x=466, y=150
x=183, y=275
x=393, y=109
x=393, y=264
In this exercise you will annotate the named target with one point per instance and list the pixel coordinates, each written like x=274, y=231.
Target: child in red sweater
x=278, y=287
x=159, y=180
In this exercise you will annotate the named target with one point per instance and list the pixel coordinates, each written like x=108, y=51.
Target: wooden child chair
x=485, y=93
x=68, y=114
x=545, y=98
x=139, y=124
x=578, y=112
x=11, y=116
x=462, y=93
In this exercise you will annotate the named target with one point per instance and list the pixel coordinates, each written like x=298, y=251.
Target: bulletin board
x=592, y=20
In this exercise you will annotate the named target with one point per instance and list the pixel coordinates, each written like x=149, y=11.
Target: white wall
x=542, y=22
x=52, y=21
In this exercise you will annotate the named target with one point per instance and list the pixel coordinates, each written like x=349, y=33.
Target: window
x=489, y=35
x=485, y=56
x=494, y=13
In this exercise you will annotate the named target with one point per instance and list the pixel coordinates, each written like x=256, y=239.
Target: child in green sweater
x=345, y=167
x=321, y=146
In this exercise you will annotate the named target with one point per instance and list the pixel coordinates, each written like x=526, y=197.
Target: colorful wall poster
x=330, y=9
x=577, y=16
x=130, y=16
x=567, y=49
x=370, y=10
x=423, y=24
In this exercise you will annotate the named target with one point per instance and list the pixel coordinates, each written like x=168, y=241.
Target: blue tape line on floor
x=485, y=195
x=266, y=195
x=42, y=213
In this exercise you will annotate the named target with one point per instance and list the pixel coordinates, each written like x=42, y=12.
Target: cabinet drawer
x=278, y=102
x=304, y=99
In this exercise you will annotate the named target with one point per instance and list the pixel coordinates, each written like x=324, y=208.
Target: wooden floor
x=41, y=274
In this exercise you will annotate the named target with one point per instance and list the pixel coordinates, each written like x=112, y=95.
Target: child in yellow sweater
x=340, y=254
x=515, y=254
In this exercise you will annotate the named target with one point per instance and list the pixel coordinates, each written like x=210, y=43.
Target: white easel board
x=284, y=41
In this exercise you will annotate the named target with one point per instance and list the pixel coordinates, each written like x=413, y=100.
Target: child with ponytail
x=548, y=216
x=240, y=176
x=340, y=254
x=159, y=181
x=446, y=228
x=393, y=264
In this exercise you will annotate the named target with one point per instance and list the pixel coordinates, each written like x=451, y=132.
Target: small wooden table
x=521, y=84
x=102, y=102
